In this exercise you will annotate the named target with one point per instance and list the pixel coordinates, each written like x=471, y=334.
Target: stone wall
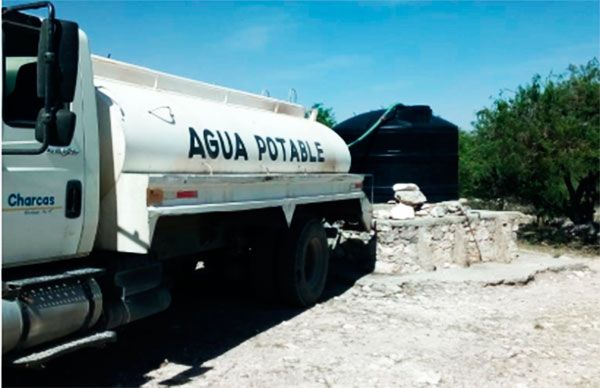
x=428, y=243
x=431, y=242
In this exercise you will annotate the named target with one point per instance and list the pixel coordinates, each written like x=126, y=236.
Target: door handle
x=73, y=199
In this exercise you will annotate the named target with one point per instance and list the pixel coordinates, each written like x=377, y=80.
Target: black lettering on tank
x=227, y=151
x=320, y=157
x=311, y=158
x=272, y=147
x=303, y=153
x=212, y=144
x=196, y=147
x=240, y=148
x=262, y=147
x=293, y=152
x=282, y=142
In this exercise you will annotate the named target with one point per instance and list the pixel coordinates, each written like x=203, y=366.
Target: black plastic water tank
x=412, y=146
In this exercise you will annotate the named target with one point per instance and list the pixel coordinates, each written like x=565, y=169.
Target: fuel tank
x=152, y=122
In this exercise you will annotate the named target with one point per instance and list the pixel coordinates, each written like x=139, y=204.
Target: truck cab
x=48, y=199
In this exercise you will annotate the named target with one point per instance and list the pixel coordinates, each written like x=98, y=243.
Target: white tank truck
x=117, y=178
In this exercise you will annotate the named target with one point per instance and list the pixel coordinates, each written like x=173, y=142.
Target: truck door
x=41, y=194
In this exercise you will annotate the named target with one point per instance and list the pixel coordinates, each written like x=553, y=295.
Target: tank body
x=155, y=123
x=413, y=146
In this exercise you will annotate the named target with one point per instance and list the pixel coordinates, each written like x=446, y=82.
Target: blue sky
x=355, y=56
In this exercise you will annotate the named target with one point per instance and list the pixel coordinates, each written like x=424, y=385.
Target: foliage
x=540, y=146
x=324, y=116
x=559, y=235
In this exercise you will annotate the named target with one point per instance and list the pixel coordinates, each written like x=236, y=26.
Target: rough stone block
x=405, y=187
x=412, y=198
x=402, y=212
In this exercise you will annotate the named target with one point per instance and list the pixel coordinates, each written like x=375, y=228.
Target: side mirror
x=65, y=45
x=58, y=57
x=65, y=128
x=60, y=133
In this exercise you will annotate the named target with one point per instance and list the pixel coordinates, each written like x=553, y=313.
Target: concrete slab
x=521, y=271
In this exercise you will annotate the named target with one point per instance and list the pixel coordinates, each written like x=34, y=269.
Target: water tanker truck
x=118, y=179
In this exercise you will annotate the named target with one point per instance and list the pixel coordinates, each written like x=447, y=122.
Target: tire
x=303, y=263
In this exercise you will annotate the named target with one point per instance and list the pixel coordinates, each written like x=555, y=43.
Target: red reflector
x=187, y=194
x=358, y=185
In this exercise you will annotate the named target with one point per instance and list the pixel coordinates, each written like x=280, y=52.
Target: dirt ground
x=535, y=322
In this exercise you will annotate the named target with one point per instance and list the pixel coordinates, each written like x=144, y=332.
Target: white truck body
x=141, y=126
x=149, y=146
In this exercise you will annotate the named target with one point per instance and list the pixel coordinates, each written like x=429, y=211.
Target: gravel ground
x=529, y=323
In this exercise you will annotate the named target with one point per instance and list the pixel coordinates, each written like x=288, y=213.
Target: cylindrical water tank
x=152, y=130
x=412, y=146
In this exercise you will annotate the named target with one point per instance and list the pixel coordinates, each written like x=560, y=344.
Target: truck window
x=20, y=103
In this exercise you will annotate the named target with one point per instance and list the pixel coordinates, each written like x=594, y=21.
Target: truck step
x=41, y=357
x=11, y=288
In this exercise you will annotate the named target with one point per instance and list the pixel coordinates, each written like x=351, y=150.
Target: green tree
x=324, y=115
x=540, y=146
x=468, y=165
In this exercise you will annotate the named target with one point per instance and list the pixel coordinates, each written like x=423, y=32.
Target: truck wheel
x=303, y=263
